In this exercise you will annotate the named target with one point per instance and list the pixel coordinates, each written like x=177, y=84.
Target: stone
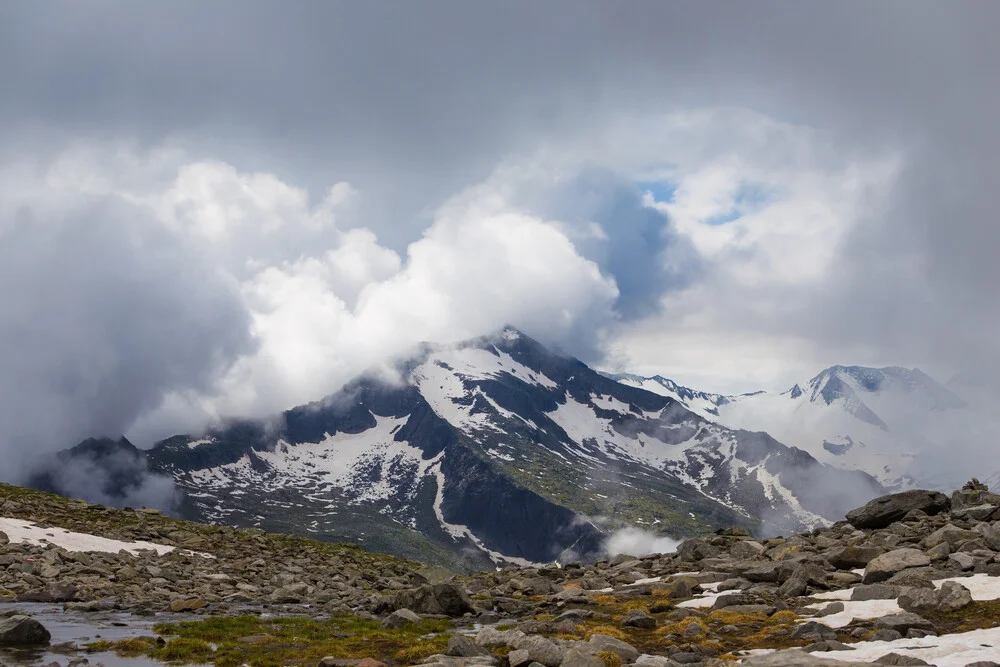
x=695, y=549
x=886, y=636
x=953, y=596
x=602, y=643
x=371, y=662
x=904, y=622
x=828, y=645
x=22, y=631
x=540, y=649
x=830, y=609
x=949, y=533
x=747, y=550
x=447, y=599
x=187, y=604
x=882, y=512
x=793, y=658
x=463, y=647
x=4, y=540
x=578, y=658
x=899, y=660
x=518, y=657
x=849, y=558
x=962, y=561
x=793, y=588
x=494, y=637
x=919, y=600
x=814, y=630
x=939, y=552
x=637, y=618
x=874, y=592
x=883, y=567
x=693, y=629
x=399, y=618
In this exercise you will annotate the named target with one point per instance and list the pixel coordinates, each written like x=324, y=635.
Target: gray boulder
x=637, y=618
x=22, y=631
x=462, y=647
x=602, y=643
x=905, y=622
x=882, y=512
x=814, y=630
x=399, y=618
x=447, y=599
x=919, y=600
x=874, y=592
x=953, y=596
x=882, y=568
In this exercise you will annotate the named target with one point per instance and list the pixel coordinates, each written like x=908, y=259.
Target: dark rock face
x=447, y=599
x=881, y=512
x=22, y=631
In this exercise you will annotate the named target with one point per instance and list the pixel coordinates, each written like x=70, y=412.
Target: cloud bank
x=733, y=196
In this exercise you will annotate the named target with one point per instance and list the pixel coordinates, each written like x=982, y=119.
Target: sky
x=230, y=208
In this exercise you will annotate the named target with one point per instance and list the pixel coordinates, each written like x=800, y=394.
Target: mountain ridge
x=497, y=450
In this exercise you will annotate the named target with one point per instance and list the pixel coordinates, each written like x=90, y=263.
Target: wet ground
x=80, y=629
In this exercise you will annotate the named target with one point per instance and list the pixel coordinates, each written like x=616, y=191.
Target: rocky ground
x=909, y=579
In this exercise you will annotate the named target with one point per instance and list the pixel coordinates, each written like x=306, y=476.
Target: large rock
x=540, y=650
x=398, y=619
x=888, y=564
x=604, y=643
x=793, y=658
x=849, y=558
x=22, y=631
x=447, y=599
x=903, y=622
x=881, y=512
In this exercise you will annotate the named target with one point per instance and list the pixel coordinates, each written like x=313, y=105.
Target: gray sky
x=732, y=194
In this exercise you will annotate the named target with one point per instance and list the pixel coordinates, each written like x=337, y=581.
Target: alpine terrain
x=488, y=451
x=889, y=422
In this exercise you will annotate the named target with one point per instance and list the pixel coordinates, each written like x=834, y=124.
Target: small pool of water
x=81, y=628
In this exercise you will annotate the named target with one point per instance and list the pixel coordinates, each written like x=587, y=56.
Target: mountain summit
x=497, y=450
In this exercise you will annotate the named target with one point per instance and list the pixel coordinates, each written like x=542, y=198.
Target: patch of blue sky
x=749, y=198
x=661, y=191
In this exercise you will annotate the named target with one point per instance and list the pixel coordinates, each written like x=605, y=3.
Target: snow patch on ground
x=955, y=650
x=20, y=531
x=860, y=609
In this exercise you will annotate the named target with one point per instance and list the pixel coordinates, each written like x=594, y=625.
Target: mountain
x=496, y=450
x=889, y=422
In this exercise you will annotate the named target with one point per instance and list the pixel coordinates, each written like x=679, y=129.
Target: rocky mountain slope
x=908, y=579
x=892, y=423
x=493, y=450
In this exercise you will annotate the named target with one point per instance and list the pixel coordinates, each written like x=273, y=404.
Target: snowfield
x=27, y=532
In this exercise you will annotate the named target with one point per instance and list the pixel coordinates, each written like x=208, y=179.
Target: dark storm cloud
x=632, y=242
x=102, y=314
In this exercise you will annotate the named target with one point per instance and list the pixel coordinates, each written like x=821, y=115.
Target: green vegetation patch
x=234, y=641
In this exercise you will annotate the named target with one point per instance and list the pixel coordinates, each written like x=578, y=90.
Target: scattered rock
x=187, y=604
x=399, y=618
x=463, y=647
x=882, y=512
x=883, y=567
x=22, y=631
x=904, y=622
x=637, y=618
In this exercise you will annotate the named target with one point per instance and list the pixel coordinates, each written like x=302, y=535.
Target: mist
x=637, y=542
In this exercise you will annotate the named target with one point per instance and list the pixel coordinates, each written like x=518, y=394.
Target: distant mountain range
x=893, y=423
x=489, y=451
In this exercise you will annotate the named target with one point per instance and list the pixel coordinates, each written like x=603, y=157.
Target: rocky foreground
x=909, y=579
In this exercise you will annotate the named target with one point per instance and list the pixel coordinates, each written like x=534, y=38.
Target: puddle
x=82, y=628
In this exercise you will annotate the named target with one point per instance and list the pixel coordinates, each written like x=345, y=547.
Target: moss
x=610, y=659
x=285, y=641
x=609, y=630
